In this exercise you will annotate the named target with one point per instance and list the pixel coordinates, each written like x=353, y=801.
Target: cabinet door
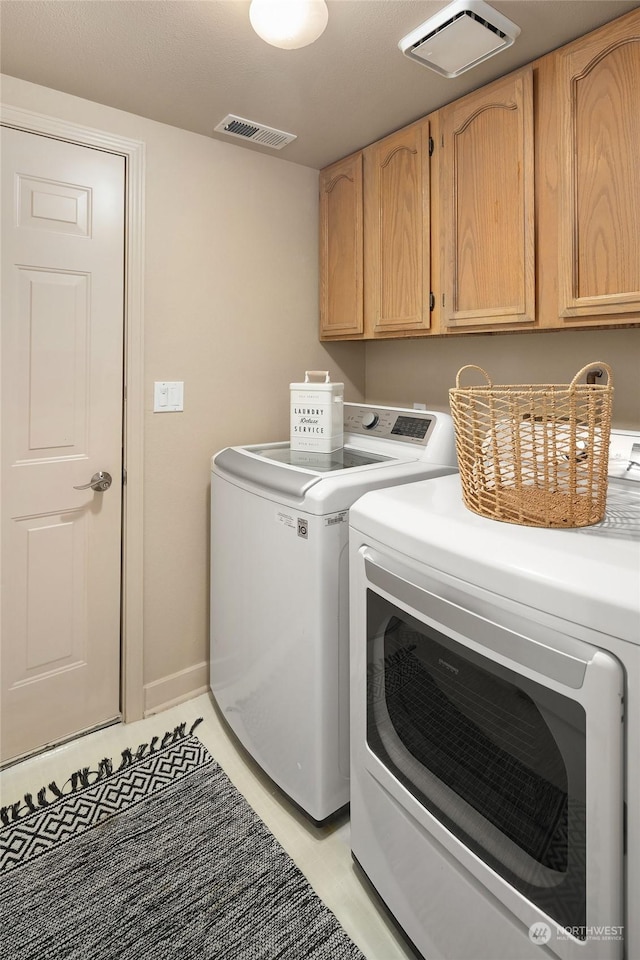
x=341, y=264
x=599, y=148
x=396, y=232
x=488, y=214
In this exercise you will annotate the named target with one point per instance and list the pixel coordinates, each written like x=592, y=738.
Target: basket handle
x=597, y=369
x=313, y=376
x=473, y=366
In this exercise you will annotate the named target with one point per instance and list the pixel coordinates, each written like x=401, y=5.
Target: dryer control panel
x=624, y=455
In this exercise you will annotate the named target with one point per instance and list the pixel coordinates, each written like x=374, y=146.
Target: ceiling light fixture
x=288, y=24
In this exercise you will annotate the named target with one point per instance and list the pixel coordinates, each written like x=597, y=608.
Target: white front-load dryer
x=495, y=722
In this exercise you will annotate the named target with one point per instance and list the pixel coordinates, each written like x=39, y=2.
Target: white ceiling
x=190, y=62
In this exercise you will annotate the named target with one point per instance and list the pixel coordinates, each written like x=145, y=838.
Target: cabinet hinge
x=443, y=299
x=431, y=146
x=124, y=476
x=432, y=301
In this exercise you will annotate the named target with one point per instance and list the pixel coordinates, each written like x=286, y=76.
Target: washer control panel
x=389, y=423
x=370, y=420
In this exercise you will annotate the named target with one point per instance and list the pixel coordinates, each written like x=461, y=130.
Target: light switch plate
x=168, y=396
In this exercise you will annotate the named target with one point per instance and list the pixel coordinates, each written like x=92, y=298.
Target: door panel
x=397, y=232
x=599, y=266
x=341, y=263
x=62, y=349
x=51, y=554
x=488, y=197
x=52, y=344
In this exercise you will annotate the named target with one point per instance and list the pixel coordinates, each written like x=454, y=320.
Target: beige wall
x=231, y=309
x=422, y=371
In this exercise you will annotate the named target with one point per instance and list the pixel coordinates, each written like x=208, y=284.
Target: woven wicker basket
x=535, y=454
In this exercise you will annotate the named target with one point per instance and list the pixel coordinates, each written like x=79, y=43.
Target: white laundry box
x=317, y=413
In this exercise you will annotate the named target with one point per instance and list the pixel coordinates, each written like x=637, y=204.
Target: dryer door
x=508, y=746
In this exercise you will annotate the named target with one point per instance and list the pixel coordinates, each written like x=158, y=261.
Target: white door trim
x=132, y=575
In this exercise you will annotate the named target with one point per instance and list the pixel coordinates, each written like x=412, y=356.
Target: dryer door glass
x=499, y=759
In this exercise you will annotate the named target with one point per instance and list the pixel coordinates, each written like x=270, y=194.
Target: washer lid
x=237, y=465
x=286, y=472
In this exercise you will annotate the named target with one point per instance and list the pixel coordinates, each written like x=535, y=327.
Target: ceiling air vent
x=255, y=132
x=462, y=35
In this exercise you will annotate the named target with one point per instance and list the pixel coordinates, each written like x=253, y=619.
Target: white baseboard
x=176, y=688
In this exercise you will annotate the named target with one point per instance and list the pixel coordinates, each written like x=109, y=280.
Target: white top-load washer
x=495, y=718
x=279, y=589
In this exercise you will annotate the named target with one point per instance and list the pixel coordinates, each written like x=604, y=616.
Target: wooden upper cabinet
x=487, y=212
x=341, y=251
x=397, y=232
x=397, y=223
x=599, y=151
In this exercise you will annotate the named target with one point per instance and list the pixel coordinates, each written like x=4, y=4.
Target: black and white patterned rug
x=161, y=859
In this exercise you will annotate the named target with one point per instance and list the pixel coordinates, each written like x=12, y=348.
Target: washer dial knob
x=369, y=420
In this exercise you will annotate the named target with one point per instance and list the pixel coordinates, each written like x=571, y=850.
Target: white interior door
x=62, y=372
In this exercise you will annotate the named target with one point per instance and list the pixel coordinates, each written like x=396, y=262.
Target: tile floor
x=322, y=853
